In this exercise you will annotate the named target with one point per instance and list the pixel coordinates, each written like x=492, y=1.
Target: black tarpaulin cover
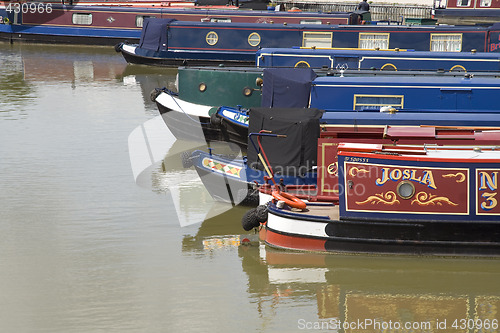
x=297, y=153
x=287, y=87
x=154, y=34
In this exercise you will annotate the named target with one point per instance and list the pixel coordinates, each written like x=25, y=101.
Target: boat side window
x=254, y=39
x=463, y=3
x=317, y=39
x=82, y=18
x=372, y=41
x=485, y=3
x=446, y=42
x=139, y=20
x=375, y=102
x=212, y=38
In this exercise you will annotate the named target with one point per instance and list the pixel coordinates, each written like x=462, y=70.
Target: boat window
x=212, y=38
x=375, y=102
x=317, y=39
x=219, y=19
x=254, y=39
x=485, y=3
x=139, y=20
x=82, y=18
x=463, y=3
x=446, y=42
x=372, y=41
x=310, y=22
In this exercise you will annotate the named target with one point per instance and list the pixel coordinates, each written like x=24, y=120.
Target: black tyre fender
x=214, y=120
x=249, y=220
x=118, y=47
x=261, y=213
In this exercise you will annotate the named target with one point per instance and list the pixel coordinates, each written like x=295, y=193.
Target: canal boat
x=208, y=43
x=108, y=23
x=388, y=60
x=346, y=100
x=398, y=199
x=242, y=86
x=194, y=121
x=289, y=134
x=447, y=101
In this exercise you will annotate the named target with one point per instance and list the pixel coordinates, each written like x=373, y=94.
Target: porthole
x=202, y=87
x=405, y=189
x=212, y=38
x=254, y=39
x=247, y=91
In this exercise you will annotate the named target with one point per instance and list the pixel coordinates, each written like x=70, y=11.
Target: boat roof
x=331, y=27
x=454, y=152
x=360, y=53
x=441, y=82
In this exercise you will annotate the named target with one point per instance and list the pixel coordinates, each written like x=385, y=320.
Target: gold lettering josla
x=423, y=177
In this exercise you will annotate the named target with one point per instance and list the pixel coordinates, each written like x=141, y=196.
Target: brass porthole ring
x=405, y=189
x=212, y=38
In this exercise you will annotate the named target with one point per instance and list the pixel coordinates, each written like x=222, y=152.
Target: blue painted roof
x=380, y=53
x=417, y=81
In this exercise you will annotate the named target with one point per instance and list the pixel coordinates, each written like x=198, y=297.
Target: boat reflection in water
x=358, y=293
x=69, y=64
x=156, y=158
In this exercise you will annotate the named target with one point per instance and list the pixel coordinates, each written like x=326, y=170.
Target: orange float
x=289, y=199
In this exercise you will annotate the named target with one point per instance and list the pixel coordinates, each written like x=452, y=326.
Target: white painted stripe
x=430, y=59
x=295, y=226
x=128, y=48
x=264, y=198
x=175, y=104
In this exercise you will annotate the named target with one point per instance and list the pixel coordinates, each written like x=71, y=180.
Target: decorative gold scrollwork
x=459, y=175
x=426, y=199
x=388, y=198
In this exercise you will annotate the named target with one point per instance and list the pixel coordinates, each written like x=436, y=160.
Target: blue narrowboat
x=391, y=60
x=237, y=43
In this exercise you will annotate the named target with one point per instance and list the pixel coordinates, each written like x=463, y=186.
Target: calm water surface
x=87, y=247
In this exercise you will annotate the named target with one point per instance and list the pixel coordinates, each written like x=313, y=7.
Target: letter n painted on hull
x=487, y=197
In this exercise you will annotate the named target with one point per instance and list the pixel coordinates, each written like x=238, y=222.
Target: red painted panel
x=294, y=242
x=374, y=187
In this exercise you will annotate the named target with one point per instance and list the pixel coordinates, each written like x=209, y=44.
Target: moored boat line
x=105, y=23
